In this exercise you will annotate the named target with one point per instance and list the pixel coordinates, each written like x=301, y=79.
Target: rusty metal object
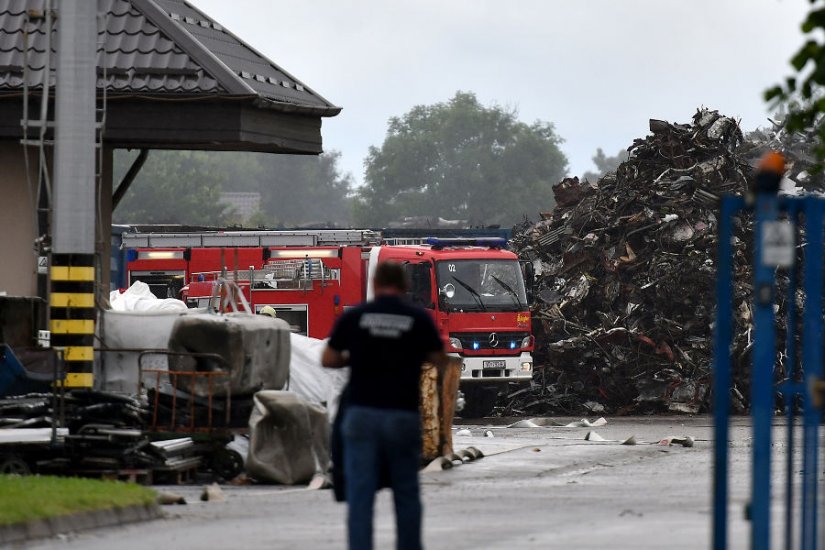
x=439, y=389
x=448, y=380
x=430, y=405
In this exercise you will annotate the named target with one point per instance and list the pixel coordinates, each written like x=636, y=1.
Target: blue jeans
x=375, y=439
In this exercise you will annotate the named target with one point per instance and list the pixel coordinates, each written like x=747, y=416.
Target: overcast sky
x=597, y=69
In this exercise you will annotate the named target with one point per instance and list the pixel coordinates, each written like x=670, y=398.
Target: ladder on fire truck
x=212, y=239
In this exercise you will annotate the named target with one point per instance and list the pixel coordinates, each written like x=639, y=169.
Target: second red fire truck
x=473, y=288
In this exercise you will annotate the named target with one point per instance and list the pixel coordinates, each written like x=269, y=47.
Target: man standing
x=385, y=342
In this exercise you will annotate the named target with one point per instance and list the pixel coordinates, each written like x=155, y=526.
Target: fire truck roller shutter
x=254, y=351
x=372, y=264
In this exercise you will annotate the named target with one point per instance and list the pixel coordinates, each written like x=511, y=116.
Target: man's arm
x=334, y=359
x=336, y=354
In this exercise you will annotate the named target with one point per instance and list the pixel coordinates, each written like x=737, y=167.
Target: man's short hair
x=391, y=275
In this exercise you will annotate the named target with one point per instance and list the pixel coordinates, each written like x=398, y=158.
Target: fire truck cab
x=473, y=288
x=475, y=291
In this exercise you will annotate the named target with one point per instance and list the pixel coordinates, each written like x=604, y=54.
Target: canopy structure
x=168, y=77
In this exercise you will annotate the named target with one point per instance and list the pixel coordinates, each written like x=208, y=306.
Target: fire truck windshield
x=480, y=285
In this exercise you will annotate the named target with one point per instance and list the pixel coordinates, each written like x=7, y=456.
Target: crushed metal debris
x=624, y=304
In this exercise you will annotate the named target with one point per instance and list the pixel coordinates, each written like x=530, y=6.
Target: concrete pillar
x=72, y=299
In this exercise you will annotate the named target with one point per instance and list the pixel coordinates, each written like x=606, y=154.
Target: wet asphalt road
x=536, y=488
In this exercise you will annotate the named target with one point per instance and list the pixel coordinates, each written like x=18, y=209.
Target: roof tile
x=239, y=56
x=155, y=47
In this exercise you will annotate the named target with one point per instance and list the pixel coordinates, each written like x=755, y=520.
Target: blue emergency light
x=489, y=242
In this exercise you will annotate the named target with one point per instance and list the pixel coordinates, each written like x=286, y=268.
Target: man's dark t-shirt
x=388, y=340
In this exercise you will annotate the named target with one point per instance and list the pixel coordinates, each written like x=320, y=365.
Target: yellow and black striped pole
x=72, y=315
x=74, y=215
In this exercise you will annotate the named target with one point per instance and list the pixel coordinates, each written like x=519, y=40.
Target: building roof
x=154, y=49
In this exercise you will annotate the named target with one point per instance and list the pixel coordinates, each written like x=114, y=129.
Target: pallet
x=182, y=472
x=179, y=476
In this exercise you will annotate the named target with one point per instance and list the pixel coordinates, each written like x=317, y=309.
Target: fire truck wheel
x=479, y=401
x=227, y=463
x=13, y=464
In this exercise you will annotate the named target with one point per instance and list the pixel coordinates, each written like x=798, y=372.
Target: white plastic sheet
x=545, y=422
x=116, y=370
x=309, y=379
x=138, y=297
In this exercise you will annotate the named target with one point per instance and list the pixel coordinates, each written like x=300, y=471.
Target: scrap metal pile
x=625, y=271
x=105, y=431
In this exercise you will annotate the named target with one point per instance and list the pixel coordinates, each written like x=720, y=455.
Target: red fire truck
x=474, y=288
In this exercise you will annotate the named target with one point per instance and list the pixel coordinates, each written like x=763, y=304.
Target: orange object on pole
x=772, y=161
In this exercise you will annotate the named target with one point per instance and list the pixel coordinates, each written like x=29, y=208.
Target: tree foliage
x=172, y=187
x=604, y=164
x=305, y=190
x=802, y=93
x=185, y=187
x=460, y=160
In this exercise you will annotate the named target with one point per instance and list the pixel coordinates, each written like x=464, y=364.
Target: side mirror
x=448, y=290
x=529, y=278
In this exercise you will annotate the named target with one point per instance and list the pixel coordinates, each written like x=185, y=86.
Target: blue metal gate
x=784, y=226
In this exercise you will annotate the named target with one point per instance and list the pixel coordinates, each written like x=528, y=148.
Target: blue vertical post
x=721, y=370
x=790, y=380
x=764, y=356
x=790, y=402
x=812, y=363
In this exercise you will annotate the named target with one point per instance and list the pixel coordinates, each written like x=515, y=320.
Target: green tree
x=802, y=93
x=305, y=190
x=172, y=187
x=185, y=187
x=460, y=160
x=604, y=164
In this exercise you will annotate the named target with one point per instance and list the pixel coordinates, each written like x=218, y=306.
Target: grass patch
x=24, y=498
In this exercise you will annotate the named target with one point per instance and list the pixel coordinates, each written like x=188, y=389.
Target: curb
x=81, y=521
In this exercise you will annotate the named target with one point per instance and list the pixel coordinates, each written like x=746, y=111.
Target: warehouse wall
x=18, y=272
x=18, y=264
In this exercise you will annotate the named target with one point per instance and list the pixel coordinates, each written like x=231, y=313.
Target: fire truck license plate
x=494, y=364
